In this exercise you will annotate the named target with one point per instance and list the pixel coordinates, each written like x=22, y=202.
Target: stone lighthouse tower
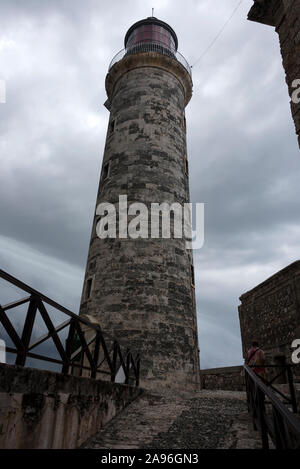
x=141, y=289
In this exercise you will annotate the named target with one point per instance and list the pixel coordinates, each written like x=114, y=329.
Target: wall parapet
x=270, y=313
x=229, y=378
x=41, y=409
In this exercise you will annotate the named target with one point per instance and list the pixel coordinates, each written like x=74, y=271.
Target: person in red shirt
x=256, y=359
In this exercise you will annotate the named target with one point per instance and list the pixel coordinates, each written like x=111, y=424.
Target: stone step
x=207, y=419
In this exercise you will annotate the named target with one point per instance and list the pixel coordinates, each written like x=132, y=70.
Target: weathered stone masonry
x=141, y=290
x=285, y=16
x=229, y=378
x=40, y=409
x=270, y=313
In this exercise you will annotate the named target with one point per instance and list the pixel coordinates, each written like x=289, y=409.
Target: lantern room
x=151, y=31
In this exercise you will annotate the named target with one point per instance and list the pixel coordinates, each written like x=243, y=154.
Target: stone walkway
x=204, y=420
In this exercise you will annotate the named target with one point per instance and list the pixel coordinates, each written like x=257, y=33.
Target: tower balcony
x=157, y=47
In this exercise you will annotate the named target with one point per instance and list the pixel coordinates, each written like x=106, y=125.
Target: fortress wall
x=229, y=378
x=270, y=313
x=284, y=15
x=44, y=410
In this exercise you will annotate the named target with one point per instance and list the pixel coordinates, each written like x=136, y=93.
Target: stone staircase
x=203, y=420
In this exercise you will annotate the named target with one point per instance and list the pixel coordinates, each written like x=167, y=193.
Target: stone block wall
x=45, y=410
x=270, y=313
x=285, y=16
x=229, y=378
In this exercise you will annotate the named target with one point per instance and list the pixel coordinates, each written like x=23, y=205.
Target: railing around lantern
x=84, y=354
x=151, y=47
x=276, y=422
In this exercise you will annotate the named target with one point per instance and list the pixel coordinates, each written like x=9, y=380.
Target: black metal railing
x=87, y=351
x=151, y=47
x=286, y=373
x=270, y=416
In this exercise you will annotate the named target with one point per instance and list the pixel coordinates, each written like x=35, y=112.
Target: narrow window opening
x=183, y=122
x=105, y=173
x=88, y=288
x=192, y=276
x=112, y=125
x=186, y=165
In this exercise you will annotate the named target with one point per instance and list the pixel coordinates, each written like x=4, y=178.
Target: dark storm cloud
x=244, y=159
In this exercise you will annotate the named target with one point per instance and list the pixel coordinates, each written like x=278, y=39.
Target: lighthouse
x=141, y=288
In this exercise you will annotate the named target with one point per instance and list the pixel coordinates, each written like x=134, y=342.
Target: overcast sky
x=244, y=158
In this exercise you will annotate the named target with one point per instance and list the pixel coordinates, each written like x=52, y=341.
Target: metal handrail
x=151, y=47
x=281, y=425
x=88, y=349
x=286, y=371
